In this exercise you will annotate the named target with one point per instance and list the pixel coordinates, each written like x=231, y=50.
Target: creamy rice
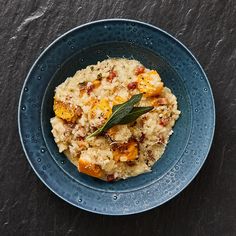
x=83, y=103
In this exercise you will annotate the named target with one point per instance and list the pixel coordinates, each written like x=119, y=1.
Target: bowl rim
x=140, y=23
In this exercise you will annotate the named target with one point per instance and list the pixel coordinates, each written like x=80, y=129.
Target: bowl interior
x=92, y=55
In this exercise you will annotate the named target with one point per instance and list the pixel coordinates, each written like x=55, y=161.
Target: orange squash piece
x=150, y=83
x=101, y=107
x=96, y=83
x=89, y=168
x=126, y=151
x=66, y=112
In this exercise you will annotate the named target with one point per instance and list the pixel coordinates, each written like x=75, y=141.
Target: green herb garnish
x=82, y=83
x=99, y=76
x=135, y=113
x=123, y=114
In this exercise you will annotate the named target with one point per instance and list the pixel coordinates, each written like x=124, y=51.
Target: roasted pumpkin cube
x=66, y=111
x=101, y=108
x=150, y=83
x=126, y=151
x=88, y=168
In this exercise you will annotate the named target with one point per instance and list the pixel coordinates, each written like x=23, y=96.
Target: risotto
x=83, y=103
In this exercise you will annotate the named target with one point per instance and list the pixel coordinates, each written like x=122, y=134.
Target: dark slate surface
x=207, y=206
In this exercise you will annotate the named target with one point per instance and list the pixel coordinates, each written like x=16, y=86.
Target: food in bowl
x=86, y=106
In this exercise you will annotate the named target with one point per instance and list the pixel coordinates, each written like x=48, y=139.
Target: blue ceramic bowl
x=188, y=146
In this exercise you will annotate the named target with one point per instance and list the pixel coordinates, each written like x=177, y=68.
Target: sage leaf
x=133, y=100
x=123, y=114
x=135, y=113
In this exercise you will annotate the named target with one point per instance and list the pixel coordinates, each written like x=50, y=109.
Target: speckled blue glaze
x=180, y=71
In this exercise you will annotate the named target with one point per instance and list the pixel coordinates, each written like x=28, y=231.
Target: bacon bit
x=70, y=124
x=164, y=121
x=110, y=178
x=111, y=75
x=114, y=146
x=90, y=88
x=132, y=85
x=142, y=120
x=78, y=111
x=80, y=138
x=161, y=140
x=82, y=88
x=142, y=138
x=150, y=155
x=139, y=70
x=130, y=163
x=161, y=101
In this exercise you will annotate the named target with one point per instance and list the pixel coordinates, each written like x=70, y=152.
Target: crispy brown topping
x=111, y=75
x=69, y=124
x=161, y=101
x=150, y=155
x=90, y=89
x=161, y=139
x=130, y=163
x=164, y=121
x=80, y=138
x=110, y=178
x=141, y=139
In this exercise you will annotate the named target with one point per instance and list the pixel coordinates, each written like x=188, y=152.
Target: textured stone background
x=207, y=206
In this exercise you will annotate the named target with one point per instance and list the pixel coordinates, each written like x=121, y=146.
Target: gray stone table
x=207, y=206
